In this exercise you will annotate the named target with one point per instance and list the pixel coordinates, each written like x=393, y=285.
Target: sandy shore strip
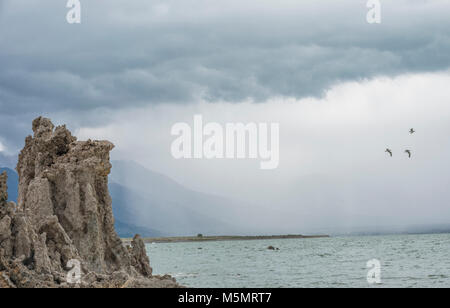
x=182, y=239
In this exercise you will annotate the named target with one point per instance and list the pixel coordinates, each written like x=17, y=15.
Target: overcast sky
x=342, y=90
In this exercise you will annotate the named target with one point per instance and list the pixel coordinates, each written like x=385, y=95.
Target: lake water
x=406, y=261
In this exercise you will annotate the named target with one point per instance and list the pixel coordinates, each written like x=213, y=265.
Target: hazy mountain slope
x=164, y=204
x=170, y=218
x=125, y=230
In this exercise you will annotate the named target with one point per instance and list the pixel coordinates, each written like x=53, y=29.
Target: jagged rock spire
x=64, y=213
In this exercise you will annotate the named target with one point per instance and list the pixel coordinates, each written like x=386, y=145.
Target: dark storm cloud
x=151, y=52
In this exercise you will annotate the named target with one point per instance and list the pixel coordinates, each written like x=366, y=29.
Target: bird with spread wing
x=408, y=152
x=389, y=151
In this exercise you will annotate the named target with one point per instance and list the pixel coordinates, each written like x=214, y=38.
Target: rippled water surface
x=406, y=261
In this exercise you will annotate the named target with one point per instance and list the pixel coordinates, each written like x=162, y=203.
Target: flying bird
x=412, y=131
x=389, y=151
x=408, y=152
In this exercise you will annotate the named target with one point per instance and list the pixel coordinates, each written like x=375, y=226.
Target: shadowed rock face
x=64, y=212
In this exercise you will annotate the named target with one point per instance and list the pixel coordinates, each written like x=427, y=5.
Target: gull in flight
x=389, y=151
x=412, y=131
x=408, y=152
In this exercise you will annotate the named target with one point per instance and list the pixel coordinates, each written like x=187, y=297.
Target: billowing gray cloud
x=150, y=52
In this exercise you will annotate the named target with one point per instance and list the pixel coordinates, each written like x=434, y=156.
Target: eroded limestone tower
x=64, y=213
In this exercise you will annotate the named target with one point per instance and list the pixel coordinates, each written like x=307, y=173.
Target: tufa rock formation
x=64, y=214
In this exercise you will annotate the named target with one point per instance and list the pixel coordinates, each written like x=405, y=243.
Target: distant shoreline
x=183, y=239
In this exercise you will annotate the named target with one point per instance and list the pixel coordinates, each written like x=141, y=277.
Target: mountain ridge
x=163, y=203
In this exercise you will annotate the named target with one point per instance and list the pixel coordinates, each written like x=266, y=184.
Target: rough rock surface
x=64, y=214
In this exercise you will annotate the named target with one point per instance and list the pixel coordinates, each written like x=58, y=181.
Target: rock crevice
x=64, y=213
